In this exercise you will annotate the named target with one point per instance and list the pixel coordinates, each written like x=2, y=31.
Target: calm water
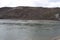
x=29, y=30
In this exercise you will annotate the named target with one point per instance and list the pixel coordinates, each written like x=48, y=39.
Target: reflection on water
x=28, y=31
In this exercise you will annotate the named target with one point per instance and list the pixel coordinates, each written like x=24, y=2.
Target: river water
x=29, y=29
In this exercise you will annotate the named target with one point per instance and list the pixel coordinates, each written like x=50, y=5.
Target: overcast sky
x=39, y=3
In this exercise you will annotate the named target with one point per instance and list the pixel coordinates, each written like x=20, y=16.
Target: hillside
x=28, y=13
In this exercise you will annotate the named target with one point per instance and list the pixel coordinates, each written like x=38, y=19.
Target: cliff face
x=28, y=13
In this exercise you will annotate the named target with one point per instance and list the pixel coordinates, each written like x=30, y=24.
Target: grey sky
x=54, y=0
x=44, y=3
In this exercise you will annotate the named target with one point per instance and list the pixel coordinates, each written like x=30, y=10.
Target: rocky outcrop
x=28, y=13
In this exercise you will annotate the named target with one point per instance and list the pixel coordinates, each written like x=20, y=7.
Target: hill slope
x=28, y=13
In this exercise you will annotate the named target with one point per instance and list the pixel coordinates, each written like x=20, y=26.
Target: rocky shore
x=29, y=13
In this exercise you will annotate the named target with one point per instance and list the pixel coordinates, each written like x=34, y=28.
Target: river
x=29, y=29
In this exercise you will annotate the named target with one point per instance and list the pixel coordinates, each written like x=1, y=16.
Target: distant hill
x=28, y=13
x=4, y=10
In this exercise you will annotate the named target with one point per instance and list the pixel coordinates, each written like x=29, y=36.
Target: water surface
x=29, y=30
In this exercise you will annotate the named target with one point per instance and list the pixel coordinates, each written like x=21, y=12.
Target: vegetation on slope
x=28, y=13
